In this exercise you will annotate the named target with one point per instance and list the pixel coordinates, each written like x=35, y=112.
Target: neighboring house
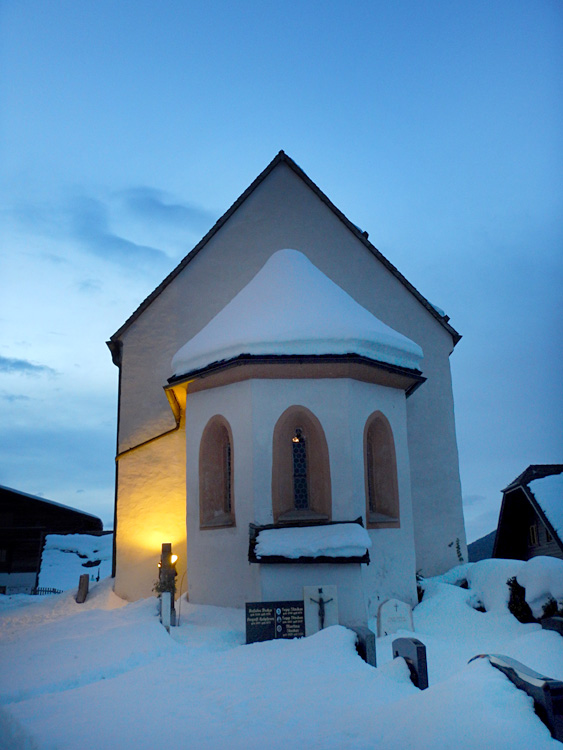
x=531, y=515
x=24, y=522
x=284, y=373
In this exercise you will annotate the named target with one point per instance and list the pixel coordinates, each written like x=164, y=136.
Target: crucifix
x=321, y=602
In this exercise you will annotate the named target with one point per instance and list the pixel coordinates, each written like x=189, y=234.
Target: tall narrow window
x=216, y=501
x=300, y=490
x=382, y=495
x=300, y=470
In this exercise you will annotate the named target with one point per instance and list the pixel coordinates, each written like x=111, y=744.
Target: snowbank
x=542, y=577
x=337, y=540
x=66, y=556
x=85, y=677
x=290, y=307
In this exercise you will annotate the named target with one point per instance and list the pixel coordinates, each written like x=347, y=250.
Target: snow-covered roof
x=289, y=308
x=47, y=502
x=280, y=158
x=548, y=492
x=330, y=540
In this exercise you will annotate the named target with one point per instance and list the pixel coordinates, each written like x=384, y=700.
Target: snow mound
x=336, y=540
x=290, y=307
x=542, y=577
x=487, y=581
x=67, y=556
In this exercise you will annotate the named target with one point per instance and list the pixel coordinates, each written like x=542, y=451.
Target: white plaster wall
x=218, y=568
x=282, y=212
x=151, y=510
x=285, y=582
x=343, y=407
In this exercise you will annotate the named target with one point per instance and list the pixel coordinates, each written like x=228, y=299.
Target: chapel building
x=285, y=375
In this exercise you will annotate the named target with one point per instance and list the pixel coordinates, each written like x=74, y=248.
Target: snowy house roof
x=291, y=308
x=545, y=483
x=542, y=485
x=280, y=158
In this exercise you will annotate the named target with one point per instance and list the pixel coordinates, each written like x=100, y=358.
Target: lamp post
x=167, y=585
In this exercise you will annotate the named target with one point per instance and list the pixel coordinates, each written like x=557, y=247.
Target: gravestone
x=413, y=652
x=546, y=692
x=321, y=607
x=365, y=643
x=393, y=615
x=266, y=621
x=82, y=592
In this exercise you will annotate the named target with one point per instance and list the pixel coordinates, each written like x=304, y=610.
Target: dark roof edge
x=49, y=502
x=532, y=472
x=537, y=508
x=243, y=359
x=362, y=236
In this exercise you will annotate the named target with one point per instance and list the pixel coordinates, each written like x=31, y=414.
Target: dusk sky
x=127, y=128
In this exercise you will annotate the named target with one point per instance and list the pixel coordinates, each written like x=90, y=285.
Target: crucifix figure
x=321, y=602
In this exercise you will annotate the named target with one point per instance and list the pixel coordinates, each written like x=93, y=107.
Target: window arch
x=300, y=470
x=216, y=462
x=382, y=493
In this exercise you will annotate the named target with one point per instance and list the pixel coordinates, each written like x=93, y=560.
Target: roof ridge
x=535, y=471
x=280, y=157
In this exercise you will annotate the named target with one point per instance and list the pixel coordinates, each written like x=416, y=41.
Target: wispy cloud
x=152, y=205
x=89, y=285
x=12, y=365
x=12, y=397
x=141, y=228
x=90, y=225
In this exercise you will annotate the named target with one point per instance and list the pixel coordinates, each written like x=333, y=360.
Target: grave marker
x=413, y=652
x=546, y=692
x=321, y=607
x=393, y=615
x=266, y=621
x=82, y=592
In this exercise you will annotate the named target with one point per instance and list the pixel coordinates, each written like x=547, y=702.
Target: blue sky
x=127, y=129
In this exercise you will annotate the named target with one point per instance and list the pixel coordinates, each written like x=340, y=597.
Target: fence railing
x=42, y=591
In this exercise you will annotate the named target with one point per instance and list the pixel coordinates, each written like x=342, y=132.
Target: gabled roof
x=10, y=493
x=540, y=484
x=534, y=471
x=282, y=157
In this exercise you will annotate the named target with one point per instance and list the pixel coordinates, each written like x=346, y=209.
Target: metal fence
x=42, y=591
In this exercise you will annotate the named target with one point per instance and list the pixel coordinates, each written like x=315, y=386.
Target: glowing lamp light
x=173, y=559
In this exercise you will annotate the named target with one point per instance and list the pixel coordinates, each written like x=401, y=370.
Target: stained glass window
x=300, y=491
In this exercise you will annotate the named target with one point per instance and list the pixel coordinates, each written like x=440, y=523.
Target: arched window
x=382, y=493
x=216, y=497
x=300, y=470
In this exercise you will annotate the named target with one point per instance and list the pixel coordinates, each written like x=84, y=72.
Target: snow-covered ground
x=66, y=557
x=106, y=675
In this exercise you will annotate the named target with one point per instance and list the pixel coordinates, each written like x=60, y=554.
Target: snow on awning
x=332, y=542
x=291, y=308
